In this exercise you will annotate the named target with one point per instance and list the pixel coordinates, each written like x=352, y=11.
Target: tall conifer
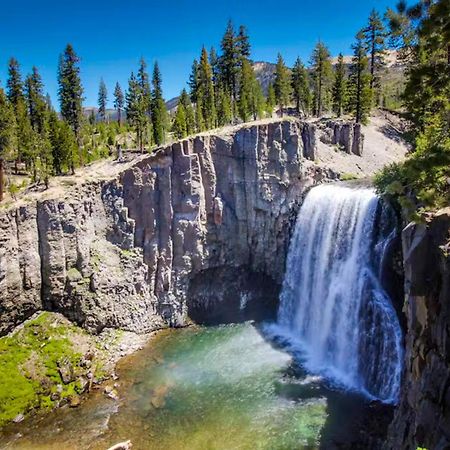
x=102, y=100
x=339, y=86
x=189, y=112
x=144, y=83
x=322, y=73
x=7, y=135
x=119, y=102
x=300, y=87
x=271, y=100
x=14, y=84
x=360, y=94
x=375, y=35
x=159, y=112
x=70, y=92
x=282, y=84
x=135, y=109
x=228, y=61
x=206, y=91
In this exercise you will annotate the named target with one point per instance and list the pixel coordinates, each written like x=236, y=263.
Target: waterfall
x=332, y=302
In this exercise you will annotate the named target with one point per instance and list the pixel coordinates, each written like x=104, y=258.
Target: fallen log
x=125, y=445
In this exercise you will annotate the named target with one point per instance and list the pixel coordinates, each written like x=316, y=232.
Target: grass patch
x=29, y=362
x=128, y=253
x=348, y=176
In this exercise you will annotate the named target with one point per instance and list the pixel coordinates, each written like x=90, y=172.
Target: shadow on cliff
x=232, y=295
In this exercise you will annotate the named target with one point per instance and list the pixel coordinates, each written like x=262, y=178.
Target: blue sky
x=111, y=36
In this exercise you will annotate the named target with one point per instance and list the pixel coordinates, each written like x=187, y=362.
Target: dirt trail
x=383, y=145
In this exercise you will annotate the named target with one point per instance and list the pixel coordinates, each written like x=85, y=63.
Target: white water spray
x=332, y=302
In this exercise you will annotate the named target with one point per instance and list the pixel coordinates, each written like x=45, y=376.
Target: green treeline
x=222, y=90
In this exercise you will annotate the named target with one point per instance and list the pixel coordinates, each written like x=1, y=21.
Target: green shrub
x=422, y=181
x=348, y=176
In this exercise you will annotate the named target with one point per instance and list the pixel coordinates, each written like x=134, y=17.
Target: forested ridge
x=41, y=141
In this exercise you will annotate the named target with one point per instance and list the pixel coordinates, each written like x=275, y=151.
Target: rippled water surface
x=222, y=387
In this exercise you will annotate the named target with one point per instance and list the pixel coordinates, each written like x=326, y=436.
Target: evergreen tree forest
x=42, y=141
x=421, y=33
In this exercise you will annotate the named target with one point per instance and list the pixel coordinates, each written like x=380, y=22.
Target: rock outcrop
x=422, y=418
x=124, y=253
x=347, y=135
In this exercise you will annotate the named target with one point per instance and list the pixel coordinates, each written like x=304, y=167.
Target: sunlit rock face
x=124, y=253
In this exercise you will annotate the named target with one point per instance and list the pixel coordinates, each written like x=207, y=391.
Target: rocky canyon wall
x=422, y=418
x=167, y=235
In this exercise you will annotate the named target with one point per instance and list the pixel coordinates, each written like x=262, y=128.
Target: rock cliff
x=422, y=418
x=125, y=253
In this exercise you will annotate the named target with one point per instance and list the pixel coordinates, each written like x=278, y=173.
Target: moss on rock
x=31, y=359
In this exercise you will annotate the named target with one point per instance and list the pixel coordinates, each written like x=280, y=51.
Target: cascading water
x=332, y=302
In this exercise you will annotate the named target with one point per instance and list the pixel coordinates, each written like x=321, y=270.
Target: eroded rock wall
x=123, y=253
x=348, y=136
x=422, y=418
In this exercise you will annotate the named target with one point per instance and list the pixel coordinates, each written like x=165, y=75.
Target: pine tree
x=119, y=102
x=243, y=43
x=224, y=109
x=215, y=67
x=24, y=133
x=159, y=112
x=282, y=84
x=402, y=32
x=271, y=101
x=135, y=109
x=63, y=143
x=339, y=86
x=70, y=92
x=45, y=160
x=360, y=94
x=193, y=82
x=57, y=152
x=14, y=85
x=199, y=120
x=245, y=91
x=206, y=91
x=179, y=122
x=48, y=102
x=32, y=131
x=300, y=87
x=189, y=112
x=427, y=90
x=228, y=61
x=102, y=100
x=251, y=98
x=322, y=73
x=144, y=83
x=375, y=41
x=15, y=94
x=37, y=107
x=7, y=135
x=258, y=102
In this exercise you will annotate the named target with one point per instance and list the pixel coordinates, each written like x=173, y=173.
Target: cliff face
x=127, y=252
x=423, y=415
